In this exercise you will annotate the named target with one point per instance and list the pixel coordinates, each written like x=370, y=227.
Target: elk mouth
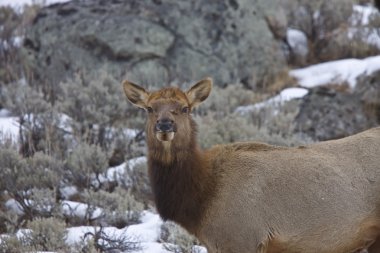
x=165, y=136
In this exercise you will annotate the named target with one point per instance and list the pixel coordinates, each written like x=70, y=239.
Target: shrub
x=95, y=103
x=42, y=235
x=137, y=182
x=40, y=124
x=85, y=164
x=20, y=175
x=9, y=55
x=99, y=241
x=120, y=208
x=176, y=239
x=11, y=244
x=330, y=30
x=224, y=100
x=46, y=234
x=31, y=182
x=273, y=124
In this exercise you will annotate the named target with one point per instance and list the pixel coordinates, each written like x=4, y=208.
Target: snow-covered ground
x=117, y=173
x=284, y=96
x=147, y=233
x=9, y=127
x=297, y=41
x=334, y=72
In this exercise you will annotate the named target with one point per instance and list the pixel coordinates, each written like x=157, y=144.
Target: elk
x=253, y=197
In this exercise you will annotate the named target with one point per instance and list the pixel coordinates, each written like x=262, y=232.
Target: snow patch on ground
x=19, y=4
x=117, y=173
x=284, y=96
x=13, y=205
x=77, y=209
x=147, y=232
x=297, y=41
x=9, y=126
x=69, y=208
x=68, y=191
x=336, y=72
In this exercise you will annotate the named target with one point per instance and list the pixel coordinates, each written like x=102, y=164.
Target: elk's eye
x=149, y=109
x=185, y=109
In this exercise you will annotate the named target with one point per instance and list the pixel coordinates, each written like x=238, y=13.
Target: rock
x=328, y=113
x=157, y=42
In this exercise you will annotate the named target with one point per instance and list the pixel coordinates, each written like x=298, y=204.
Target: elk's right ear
x=199, y=92
x=136, y=94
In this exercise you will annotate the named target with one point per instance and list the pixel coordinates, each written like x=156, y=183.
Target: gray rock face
x=326, y=113
x=157, y=42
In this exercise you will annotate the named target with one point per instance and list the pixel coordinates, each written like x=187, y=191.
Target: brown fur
x=254, y=197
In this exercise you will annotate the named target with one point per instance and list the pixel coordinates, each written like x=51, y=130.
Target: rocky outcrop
x=157, y=42
x=329, y=113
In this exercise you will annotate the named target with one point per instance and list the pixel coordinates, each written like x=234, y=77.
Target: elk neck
x=181, y=179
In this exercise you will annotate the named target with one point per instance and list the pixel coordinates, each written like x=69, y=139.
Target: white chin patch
x=162, y=136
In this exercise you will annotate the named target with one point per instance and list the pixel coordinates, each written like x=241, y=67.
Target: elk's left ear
x=136, y=94
x=199, y=92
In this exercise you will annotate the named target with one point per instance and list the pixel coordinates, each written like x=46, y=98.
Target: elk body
x=253, y=197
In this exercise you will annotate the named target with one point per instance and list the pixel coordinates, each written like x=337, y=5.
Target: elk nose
x=165, y=125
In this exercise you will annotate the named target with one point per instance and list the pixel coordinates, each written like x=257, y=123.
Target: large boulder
x=331, y=113
x=158, y=41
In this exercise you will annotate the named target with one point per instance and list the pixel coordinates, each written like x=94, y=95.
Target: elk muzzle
x=165, y=129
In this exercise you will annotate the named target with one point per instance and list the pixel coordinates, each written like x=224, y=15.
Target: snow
x=131, y=133
x=284, y=96
x=65, y=123
x=199, y=249
x=336, y=72
x=362, y=14
x=136, y=161
x=19, y=4
x=4, y=113
x=147, y=232
x=9, y=127
x=152, y=247
x=77, y=209
x=360, y=25
x=333, y=72
x=13, y=205
x=117, y=173
x=68, y=191
x=297, y=41
x=69, y=208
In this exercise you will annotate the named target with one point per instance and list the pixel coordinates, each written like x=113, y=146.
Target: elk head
x=169, y=109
